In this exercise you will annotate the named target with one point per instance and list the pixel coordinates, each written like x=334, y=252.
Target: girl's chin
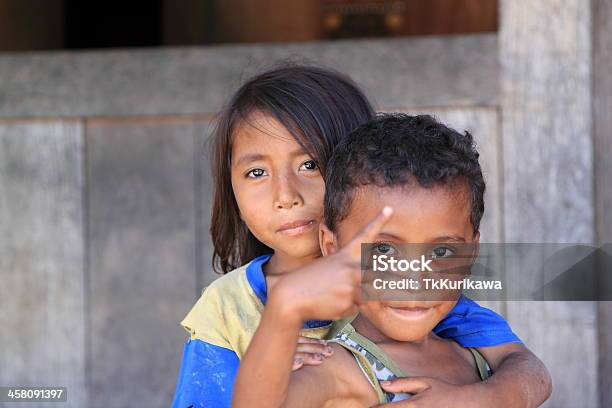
x=299, y=250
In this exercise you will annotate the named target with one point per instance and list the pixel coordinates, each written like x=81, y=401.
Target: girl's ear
x=327, y=240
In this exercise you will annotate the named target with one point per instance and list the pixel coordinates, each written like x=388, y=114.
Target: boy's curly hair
x=397, y=150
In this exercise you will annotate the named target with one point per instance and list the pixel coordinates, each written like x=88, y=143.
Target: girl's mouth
x=296, y=227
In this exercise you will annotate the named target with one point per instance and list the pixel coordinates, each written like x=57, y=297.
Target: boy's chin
x=404, y=328
x=407, y=335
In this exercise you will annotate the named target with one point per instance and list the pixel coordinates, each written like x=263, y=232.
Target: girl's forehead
x=262, y=133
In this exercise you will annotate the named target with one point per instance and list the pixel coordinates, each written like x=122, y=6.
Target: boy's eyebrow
x=389, y=235
x=444, y=238
x=448, y=238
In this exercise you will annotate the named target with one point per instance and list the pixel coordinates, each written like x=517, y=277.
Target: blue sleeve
x=206, y=377
x=472, y=325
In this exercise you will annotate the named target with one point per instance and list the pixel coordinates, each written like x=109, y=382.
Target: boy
x=430, y=176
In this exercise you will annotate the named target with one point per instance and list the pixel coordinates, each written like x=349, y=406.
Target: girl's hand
x=310, y=352
x=431, y=392
x=330, y=287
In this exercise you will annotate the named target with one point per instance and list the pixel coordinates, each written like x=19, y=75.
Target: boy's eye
x=442, y=252
x=256, y=173
x=309, y=165
x=384, y=249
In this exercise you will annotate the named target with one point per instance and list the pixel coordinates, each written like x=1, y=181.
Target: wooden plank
x=142, y=234
x=461, y=70
x=426, y=17
x=545, y=53
x=602, y=129
x=27, y=25
x=204, y=189
x=272, y=20
x=42, y=296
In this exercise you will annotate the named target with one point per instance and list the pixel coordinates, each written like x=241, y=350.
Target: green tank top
x=376, y=364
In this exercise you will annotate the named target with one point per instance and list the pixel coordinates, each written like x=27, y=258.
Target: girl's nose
x=287, y=194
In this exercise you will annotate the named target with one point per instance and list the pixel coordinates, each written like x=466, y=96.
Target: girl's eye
x=256, y=173
x=309, y=165
x=442, y=252
x=384, y=248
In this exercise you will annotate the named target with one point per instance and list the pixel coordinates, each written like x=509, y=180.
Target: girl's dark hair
x=318, y=106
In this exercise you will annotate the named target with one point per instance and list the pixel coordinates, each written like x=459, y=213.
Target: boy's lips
x=410, y=312
x=296, y=227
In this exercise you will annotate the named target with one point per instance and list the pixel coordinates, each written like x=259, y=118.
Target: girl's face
x=278, y=187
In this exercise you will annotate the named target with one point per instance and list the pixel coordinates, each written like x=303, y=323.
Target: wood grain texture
x=602, y=130
x=461, y=70
x=204, y=193
x=545, y=53
x=142, y=235
x=42, y=256
x=27, y=25
x=426, y=17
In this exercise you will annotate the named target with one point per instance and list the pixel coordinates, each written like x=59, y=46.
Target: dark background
x=78, y=24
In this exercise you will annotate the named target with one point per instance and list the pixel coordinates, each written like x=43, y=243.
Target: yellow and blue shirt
x=224, y=319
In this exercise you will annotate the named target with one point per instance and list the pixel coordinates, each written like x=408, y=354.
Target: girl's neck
x=280, y=263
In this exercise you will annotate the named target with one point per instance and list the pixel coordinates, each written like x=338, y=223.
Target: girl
x=269, y=151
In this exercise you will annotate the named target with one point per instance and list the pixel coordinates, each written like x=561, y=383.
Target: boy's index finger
x=371, y=231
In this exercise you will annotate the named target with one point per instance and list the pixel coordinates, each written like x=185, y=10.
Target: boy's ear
x=327, y=240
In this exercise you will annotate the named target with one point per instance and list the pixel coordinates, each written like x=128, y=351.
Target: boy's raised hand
x=330, y=287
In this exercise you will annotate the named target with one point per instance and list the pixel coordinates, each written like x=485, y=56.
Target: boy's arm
x=326, y=289
x=265, y=378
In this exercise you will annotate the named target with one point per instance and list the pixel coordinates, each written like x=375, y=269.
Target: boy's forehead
x=441, y=207
x=412, y=196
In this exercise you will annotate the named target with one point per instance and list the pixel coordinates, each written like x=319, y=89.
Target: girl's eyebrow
x=248, y=158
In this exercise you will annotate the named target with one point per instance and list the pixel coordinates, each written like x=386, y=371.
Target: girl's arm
x=520, y=379
x=206, y=376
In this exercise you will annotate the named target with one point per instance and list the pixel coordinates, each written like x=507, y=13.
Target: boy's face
x=425, y=216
